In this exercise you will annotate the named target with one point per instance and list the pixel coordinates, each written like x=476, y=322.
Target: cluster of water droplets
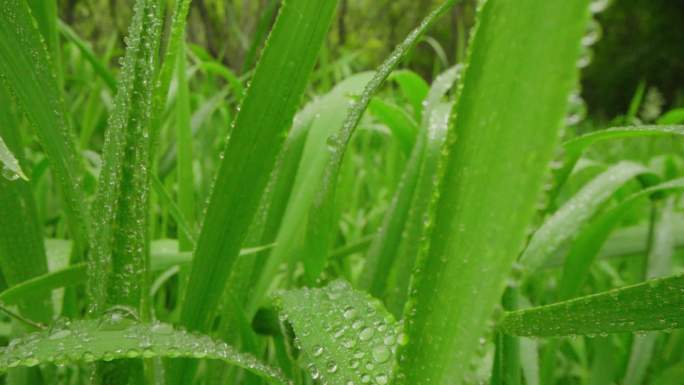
x=122, y=199
x=115, y=337
x=347, y=338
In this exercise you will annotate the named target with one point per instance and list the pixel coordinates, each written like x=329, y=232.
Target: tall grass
x=213, y=227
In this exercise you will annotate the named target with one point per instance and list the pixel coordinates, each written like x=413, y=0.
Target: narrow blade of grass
x=322, y=116
x=574, y=148
x=265, y=116
x=414, y=89
x=652, y=305
x=503, y=131
x=26, y=68
x=118, y=268
x=321, y=227
x=435, y=118
x=186, y=178
x=659, y=264
x=586, y=247
x=70, y=276
x=256, y=139
x=22, y=251
x=87, y=52
x=566, y=221
x=399, y=122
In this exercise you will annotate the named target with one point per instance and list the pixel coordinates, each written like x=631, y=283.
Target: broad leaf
x=351, y=338
x=116, y=337
x=27, y=69
x=502, y=134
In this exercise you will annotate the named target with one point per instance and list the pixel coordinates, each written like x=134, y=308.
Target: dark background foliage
x=641, y=40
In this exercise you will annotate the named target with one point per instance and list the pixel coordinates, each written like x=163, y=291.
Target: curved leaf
x=567, y=220
x=321, y=228
x=414, y=89
x=322, y=116
x=70, y=276
x=574, y=148
x=652, y=305
x=399, y=122
x=352, y=338
x=116, y=338
x=589, y=242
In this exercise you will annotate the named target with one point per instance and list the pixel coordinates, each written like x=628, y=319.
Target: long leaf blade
x=652, y=305
x=115, y=338
x=500, y=141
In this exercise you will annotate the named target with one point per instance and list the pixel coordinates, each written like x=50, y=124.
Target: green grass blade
x=256, y=139
x=168, y=67
x=383, y=250
x=260, y=34
x=321, y=227
x=118, y=269
x=414, y=89
x=395, y=247
x=117, y=337
x=22, y=251
x=652, y=305
x=589, y=242
x=351, y=340
x=422, y=209
x=186, y=178
x=322, y=118
x=659, y=264
x=675, y=116
x=399, y=122
x=188, y=232
x=503, y=132
x=574, y=148
x=87, y=52
x=70, y=276
x=25, y=66
x=567, y=221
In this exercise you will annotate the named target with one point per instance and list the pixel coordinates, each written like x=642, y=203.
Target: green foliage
x=652, y=305
x=10, y=165
x=500, y=144
x=27, y=69
x=352, y=340
x=385, y=210
x=116, y=337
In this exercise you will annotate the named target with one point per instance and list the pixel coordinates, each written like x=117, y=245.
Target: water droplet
x=381, y=353
x=366, y=334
